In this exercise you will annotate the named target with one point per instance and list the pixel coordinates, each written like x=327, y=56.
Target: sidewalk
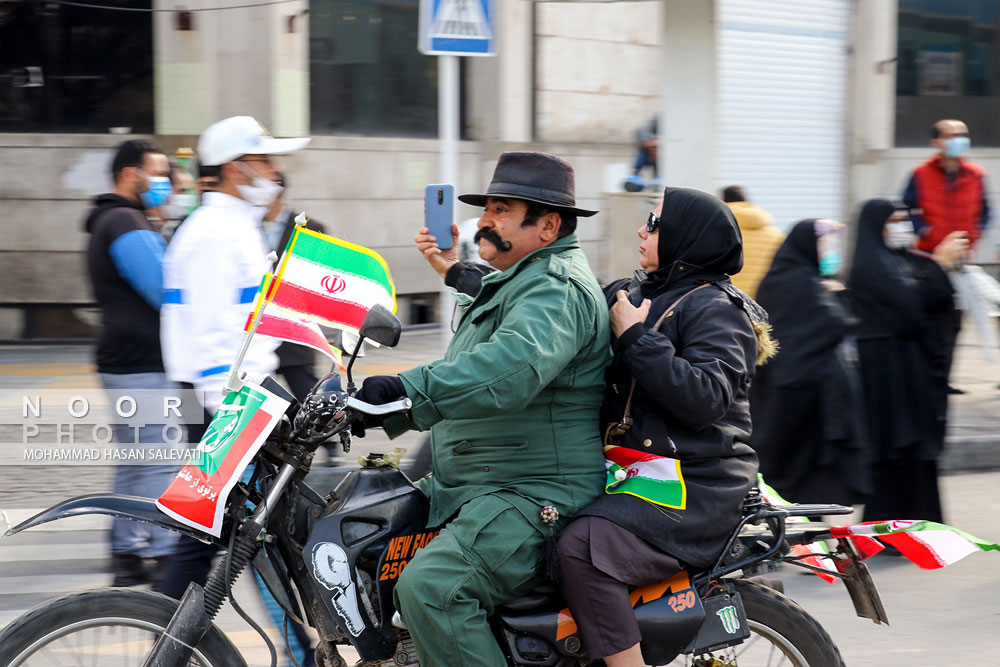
x=973, y=417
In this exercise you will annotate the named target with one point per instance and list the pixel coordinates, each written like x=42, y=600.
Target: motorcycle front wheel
x=110, y=627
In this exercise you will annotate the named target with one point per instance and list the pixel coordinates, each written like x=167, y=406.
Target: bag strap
x=619, y=429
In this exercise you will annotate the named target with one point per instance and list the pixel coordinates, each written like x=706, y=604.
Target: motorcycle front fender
x=135, y=508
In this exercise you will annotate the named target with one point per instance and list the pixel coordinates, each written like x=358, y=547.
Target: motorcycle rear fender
x=859, y=583
x=135, y=508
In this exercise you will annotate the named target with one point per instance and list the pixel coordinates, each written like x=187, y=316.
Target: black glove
x=378, y=390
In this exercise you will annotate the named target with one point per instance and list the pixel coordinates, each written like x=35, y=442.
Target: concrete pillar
x=872, y=95
x=249, y=61
x=687, y=117
x=499, y=90
x=516, y=54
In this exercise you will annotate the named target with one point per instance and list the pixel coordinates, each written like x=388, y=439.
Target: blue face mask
x=956, y=146
x=158, y=192
x=829, y=264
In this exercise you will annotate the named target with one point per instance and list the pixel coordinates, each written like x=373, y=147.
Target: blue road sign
x=457, y=27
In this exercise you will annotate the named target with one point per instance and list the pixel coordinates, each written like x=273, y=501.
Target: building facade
x=812, y=107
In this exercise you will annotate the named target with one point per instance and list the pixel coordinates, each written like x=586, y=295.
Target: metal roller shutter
x=782, y=77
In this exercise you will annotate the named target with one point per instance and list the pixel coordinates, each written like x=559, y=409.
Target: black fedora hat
x=535, y=177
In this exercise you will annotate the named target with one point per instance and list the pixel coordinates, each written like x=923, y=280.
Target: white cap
x=237, y=136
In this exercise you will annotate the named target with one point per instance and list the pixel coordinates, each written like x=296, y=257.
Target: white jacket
x=212, y=271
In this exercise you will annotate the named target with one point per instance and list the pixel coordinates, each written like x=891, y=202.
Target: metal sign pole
x=450, y=29
x=448, y=97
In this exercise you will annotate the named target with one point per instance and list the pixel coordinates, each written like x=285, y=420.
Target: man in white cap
x=212, y=271
x=213, y=266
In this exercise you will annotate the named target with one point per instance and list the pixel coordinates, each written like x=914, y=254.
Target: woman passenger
x=685, y=345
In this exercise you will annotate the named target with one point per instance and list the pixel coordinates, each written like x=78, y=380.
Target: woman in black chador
x=685, y=346
x=808, y=428
x=907, y=309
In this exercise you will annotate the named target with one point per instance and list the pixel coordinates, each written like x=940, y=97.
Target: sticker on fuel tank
x=399, y=552
x=330, y=567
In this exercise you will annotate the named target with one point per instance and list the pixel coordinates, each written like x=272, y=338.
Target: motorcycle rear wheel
x=782, y=635
x=777, y=619
x=111, y=627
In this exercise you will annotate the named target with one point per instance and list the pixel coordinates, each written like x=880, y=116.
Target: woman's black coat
x=692, y=375
x=806, y=403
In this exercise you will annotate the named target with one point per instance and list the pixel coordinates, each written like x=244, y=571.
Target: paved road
x=941, y=617
x=944, y=617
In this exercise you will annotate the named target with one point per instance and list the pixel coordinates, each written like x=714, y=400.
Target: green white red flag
x=928, y=544
x=197, y=496
x=656, y=479
x=814, y=553
x=281, y=324
x=331, y=281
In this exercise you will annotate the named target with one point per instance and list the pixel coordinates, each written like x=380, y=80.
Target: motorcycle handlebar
x=402, y=405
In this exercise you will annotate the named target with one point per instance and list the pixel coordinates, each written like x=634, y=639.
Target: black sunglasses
x=652, y=222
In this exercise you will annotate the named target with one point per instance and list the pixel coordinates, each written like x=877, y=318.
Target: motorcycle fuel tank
x=371, y=508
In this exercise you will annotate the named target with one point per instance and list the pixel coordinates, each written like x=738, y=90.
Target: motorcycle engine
x=405, y=653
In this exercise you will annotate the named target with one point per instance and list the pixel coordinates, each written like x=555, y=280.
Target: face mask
x=260, y=191
x=179, y=205
x=828, y=246
x=158, y=192
x=899, y=234
x=829, y=264
x=956, y=146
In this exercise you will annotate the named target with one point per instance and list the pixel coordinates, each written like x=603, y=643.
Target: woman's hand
x=832, y=285
x=624, y=315
x=440, y=260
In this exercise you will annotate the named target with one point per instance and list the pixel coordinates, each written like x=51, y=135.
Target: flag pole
x=234, y=383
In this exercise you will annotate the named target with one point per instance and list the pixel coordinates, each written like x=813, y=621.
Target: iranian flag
x=657, y=479
x=281, y=324
x=928, y=544
x=814, y=553
x=197, y=496
x=331, y=281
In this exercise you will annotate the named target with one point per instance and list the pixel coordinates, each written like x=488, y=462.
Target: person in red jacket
x=947, y=193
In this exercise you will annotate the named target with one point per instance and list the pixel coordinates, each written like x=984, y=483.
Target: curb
x=970, y=452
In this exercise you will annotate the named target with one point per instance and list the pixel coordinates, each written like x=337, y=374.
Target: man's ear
x=548, y=226
x=228, y=171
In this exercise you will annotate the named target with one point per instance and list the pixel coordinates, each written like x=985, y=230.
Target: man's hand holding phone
x=440, y=260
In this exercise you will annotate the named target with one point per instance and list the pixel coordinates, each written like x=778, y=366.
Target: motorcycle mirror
x=381, y=326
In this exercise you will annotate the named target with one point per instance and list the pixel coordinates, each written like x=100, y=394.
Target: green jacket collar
x=570, y=242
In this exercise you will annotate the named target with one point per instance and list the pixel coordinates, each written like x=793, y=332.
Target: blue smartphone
x=439, y=212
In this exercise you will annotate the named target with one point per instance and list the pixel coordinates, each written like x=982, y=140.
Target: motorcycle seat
x=542, y=595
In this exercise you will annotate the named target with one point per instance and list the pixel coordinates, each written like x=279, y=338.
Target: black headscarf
x=699, y=242
x=807, y=319
x=887, y=295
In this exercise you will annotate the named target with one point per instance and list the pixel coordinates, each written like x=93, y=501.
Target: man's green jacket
x=514, y=406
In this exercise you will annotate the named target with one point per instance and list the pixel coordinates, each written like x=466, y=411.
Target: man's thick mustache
x=494, y=238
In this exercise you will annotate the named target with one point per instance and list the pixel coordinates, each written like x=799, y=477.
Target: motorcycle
x=331, y=562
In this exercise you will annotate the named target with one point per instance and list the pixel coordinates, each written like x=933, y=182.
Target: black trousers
x=300, y=378
x=600, y=560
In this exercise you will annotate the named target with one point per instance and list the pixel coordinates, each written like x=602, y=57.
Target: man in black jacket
x=124, y=262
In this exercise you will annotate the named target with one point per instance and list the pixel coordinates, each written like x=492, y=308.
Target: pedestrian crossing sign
x=457, y=27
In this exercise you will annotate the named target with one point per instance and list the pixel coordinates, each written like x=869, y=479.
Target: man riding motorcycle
x=513, y=412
